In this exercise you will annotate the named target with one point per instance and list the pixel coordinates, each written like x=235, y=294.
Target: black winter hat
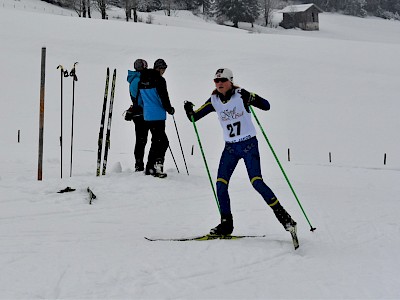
x=140, y=64
x=160, y=64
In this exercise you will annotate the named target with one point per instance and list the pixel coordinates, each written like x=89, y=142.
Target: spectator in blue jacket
x=156, y=104
x=135, y=113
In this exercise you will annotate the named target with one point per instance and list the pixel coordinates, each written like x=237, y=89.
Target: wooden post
x=288, y=154
x=41, y=117
x=192, y=149
x=384, y=159
x=19, y=135
x=330, y=157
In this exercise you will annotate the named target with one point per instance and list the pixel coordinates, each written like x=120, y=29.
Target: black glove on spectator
x=171, y=111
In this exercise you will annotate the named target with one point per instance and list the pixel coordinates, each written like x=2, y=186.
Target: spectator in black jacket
x=156, y=104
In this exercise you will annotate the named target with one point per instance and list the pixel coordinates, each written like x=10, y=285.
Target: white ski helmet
x=224, y=73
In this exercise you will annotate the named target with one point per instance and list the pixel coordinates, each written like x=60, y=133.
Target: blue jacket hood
x=132, y=75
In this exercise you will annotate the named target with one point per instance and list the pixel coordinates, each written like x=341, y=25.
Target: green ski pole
x=280, y=166
x=205, y=162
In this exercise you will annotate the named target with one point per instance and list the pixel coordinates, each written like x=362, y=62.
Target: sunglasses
x=216, y=80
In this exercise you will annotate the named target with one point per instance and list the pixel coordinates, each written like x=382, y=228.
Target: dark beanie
x=160, y=64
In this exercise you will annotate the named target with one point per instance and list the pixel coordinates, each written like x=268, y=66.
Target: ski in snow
x=208, y=237
x=205, y=237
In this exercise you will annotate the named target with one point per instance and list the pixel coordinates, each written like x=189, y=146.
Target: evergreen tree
x=149, y=5
x=252, y=11
x=392, y=5
x=381, y=8
x=372, y=5
x=185, y=4
x=238, y=10
x=356, y=8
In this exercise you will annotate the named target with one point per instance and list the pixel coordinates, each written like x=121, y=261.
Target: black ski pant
x=159, y=142
x=142, y=132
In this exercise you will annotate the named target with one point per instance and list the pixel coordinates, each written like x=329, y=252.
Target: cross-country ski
x=205, y=237
x=103, y=117
x=109, y=120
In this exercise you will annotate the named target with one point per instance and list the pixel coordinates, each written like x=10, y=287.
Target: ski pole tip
x=313, y=229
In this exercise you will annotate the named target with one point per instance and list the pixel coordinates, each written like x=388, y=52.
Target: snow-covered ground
x=332, y=91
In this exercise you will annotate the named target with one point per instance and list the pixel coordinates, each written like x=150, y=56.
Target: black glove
x=188, y=106
x=129, y=114
x=247, y=97
x=171, y=111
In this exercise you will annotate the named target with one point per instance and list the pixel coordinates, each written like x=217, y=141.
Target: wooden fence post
x=41, y=117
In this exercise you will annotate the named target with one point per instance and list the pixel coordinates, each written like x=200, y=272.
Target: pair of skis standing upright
x=103, y=116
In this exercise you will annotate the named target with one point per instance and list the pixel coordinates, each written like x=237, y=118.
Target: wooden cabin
x=304, y=16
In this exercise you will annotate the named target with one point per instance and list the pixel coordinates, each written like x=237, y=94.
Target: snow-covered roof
x=298, y=8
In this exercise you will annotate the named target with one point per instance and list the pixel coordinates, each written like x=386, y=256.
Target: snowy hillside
x=333, y=91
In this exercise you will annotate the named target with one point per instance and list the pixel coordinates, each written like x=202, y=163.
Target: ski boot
x=284, y=218
x=157, y=170
x=287, y=222
x=225, y=227
x=149, y=170
x=139, y=166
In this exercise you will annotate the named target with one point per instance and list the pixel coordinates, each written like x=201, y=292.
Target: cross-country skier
x=231, y=104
